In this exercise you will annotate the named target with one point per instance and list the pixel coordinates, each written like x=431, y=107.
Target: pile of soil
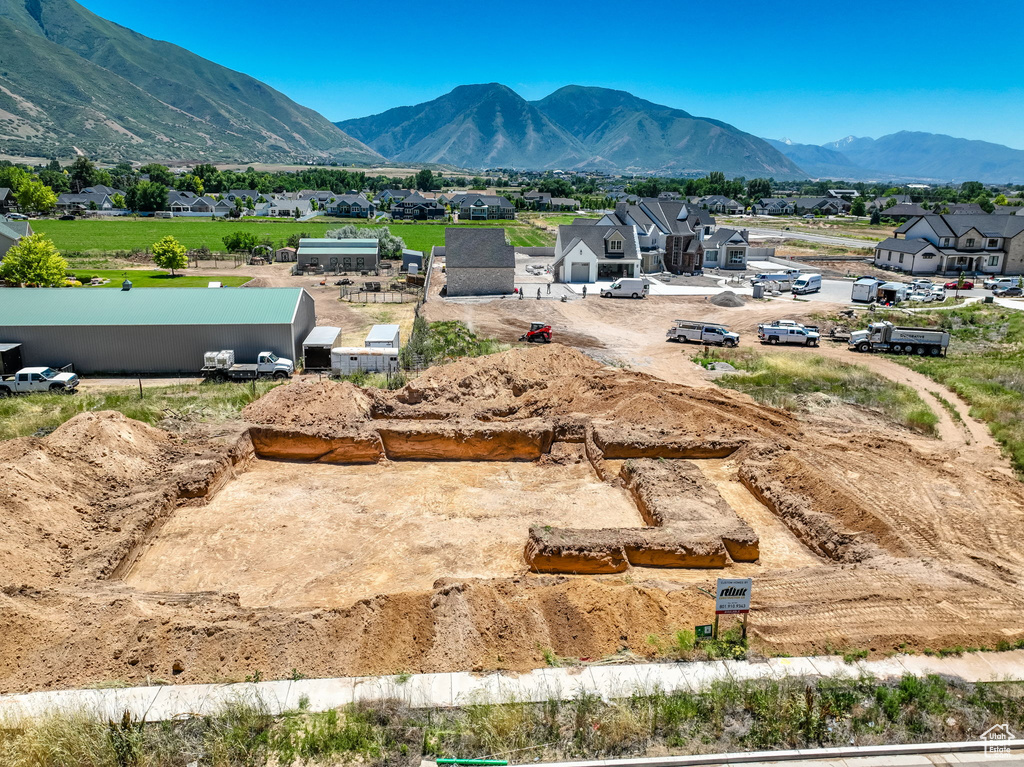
x=311, y=405
x=727, y=299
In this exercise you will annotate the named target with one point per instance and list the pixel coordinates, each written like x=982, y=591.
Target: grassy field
x=139, y=234
x=780, y=379
x=41, y=413
x=148, y=278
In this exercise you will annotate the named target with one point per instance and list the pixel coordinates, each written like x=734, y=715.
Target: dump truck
x=221, y=366
x=32, y=380
x=702, y=333
x=886, y=337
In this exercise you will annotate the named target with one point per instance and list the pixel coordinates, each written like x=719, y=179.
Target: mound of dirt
x=311, y=405
x=727, y=299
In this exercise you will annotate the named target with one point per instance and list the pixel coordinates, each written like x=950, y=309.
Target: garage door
x=580, y=273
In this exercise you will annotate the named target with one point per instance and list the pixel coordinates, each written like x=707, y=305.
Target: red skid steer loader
x=539, y=332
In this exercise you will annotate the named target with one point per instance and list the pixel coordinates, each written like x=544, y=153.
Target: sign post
x=732, y=597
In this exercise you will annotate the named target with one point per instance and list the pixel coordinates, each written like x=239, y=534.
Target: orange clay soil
x=130, y=553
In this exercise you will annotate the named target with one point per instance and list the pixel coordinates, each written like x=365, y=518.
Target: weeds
x=727, y=715
x=781, y=379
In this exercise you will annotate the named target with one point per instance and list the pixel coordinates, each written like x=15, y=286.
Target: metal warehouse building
x=152, y=330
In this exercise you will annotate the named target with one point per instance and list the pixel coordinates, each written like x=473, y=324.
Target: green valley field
x=138, y=234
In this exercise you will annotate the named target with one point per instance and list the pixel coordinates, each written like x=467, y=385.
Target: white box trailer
x=865, y=290
x=316, y=348
x=383, y=336
x=346, y=360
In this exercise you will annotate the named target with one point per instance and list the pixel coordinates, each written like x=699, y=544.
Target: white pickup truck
x=788, y=332
x=702, y=333
x=31, y=380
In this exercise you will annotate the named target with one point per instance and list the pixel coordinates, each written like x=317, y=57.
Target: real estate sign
x=732, y=597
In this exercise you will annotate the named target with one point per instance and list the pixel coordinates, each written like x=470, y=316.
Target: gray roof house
x=904, y=210
x=416, y=207
x=484, y=207
x=718, y=203
x=478, y=262
x=11, y=233
x=351, y=205
x=7, y=201
x=949, y=244
x=101, y=189
x=391, y=195
x=773, y=206
x=667, y=231
x=85, y=201
x=726, y=249
x=596, y=252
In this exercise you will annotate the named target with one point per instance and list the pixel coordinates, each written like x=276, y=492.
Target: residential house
x=538, y=200
x=243, y=195
x=669, y=233
x=85, y=201
x=1009, y=210
x=950, y=244
x=391, y=196
x=473, y=206
x=351, y=205
x=478, y=262
x=669, y=196
x=337, y=255
x=284, y=207
x=7, y=202
x=189, y=202
x=11, y=233
x=773, y=206
x=417, y=208
x=717, y=203
x=827, y=206
x=564, y=203
x=903, y=211
x=963, y=208
x=102, y=189
x=592, y=252
x=881, y=202
x=726, y=249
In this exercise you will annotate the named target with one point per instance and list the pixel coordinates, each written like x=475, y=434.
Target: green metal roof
x=147, y=306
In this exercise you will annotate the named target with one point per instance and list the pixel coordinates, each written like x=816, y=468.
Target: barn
x=152, y=330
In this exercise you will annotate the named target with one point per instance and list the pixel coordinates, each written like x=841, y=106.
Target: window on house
x=736, y=257
x=901, y=258
x=993, y=260
x=711, y=256
x=615, y=246
x=945, y=242
x=993, y=243
x=970, y=242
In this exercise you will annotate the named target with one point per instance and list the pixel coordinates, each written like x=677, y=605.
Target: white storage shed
x=383, y=336
x=346, y=360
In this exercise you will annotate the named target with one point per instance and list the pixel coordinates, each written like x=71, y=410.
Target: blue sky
x=811, y=72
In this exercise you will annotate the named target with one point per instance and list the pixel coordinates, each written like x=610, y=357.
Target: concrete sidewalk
x=459, y=688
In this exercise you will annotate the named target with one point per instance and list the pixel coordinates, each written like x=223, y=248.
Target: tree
x=147, y=196
x=168, y=253
x=985, y=203
x=876, y=217
x=57, y=180
x=14, y=177
x=889, y=203
x=36, y=197
x=191, y=183
x=858, y=208
x=119, y=201
x=758, y=188
x=239, y=242
x=425, y=180
x=81, y=174
x=34, y=261
x=161, y=174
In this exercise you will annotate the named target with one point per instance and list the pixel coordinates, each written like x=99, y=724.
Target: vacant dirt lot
x=302, y=536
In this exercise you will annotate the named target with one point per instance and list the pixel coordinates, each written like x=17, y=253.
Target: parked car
x=17, y=217
x=1009, y=292
x=921, y=296
x=921, y=283
x=952, y=285
x=66, y=217
x=994, y=283
x=938, y=293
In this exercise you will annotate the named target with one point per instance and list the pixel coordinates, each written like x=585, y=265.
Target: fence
x=359, y=296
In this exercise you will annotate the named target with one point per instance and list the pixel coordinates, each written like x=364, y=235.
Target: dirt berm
x=865, y=538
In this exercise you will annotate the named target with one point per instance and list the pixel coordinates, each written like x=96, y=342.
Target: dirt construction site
x=493, y=510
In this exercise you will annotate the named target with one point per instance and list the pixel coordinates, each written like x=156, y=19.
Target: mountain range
x=73, y=82
x=575, y=127
x=908, y=155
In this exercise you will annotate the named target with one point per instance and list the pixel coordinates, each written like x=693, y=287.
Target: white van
x=807, y=283
x=632, y=287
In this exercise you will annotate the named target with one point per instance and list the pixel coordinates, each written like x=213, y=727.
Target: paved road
x=843, y=242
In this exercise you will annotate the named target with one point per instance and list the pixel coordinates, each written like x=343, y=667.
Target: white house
x=596, y=252
x=950, y=244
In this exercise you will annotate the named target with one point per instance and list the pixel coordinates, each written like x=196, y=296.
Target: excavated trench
x=307, y=519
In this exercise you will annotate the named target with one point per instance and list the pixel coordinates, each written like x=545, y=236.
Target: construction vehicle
x=702, y=332
x=220, y=366
x=539, y=332
x=787, y=332
x=31, y=380
x=886, y=337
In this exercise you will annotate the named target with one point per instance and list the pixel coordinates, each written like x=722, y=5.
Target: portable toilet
x=316, y=349
x=386, y=336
